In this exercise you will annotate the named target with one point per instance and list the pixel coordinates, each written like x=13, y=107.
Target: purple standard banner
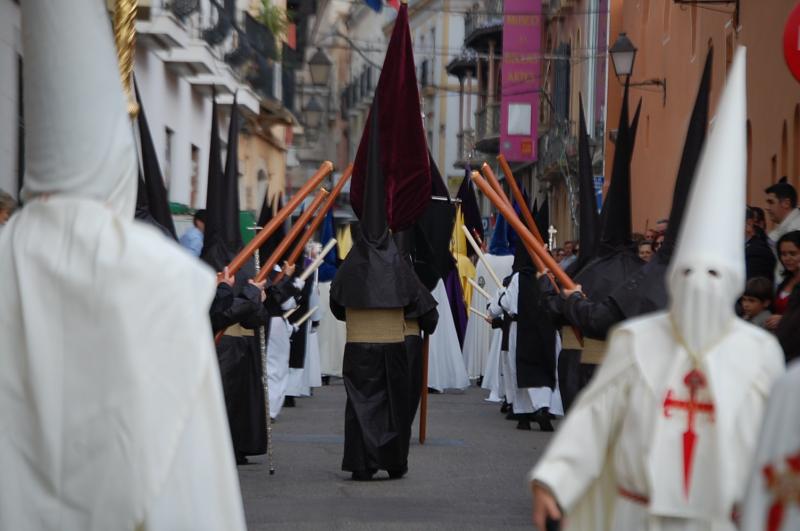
x=521, y=70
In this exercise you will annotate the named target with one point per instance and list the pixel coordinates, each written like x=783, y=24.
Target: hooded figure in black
x=529, y=341
x=374, y=289
x=645, y=291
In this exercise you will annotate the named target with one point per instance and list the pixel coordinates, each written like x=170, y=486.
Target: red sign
x=791, y=42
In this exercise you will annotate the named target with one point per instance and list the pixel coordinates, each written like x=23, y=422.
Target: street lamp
x=320, y=67
x=313, y=113
x=623, y=55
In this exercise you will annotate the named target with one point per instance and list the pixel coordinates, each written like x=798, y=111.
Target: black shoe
x=524, y=424
x=505, y=408
x=479, y=382
x=511, y=415
x=362, y=475
x=397, y=473
x=326, y=380
x=432, y=391
x=288, y=401
x=241, y=459
x=542, y=418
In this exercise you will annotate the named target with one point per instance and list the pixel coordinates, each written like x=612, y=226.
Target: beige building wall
x=673, y=40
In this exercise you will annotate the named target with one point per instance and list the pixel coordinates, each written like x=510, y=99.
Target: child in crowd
x=756, y=300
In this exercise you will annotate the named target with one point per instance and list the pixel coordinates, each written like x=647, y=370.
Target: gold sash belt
x=593, y=350
x=412, y=327
x=375, y=325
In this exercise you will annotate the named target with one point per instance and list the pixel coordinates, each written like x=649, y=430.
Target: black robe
x=536, y=335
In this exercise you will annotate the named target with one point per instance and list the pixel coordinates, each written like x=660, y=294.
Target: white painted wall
x=169, y=101
x=10, y=46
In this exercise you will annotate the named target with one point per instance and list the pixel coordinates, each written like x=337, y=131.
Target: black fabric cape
x=413, y=346
x=536, y=333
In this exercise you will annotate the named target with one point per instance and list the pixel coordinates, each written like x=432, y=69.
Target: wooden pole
x=423, y=399
x=284, y=245
x=481, y=256
x=527, y=238
x=512, y=183
x=479, y=289
x=318, y=219
x=264, y=234
x=495, y=184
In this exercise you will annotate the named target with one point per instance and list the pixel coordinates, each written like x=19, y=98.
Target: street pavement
x=470, y=473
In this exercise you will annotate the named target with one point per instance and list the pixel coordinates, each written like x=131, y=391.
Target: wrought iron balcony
x=466, y=144
x=483, y=24
x=487, y=125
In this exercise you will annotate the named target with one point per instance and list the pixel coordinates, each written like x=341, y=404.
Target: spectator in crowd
x=569, y=255
x=782, y=209
x=558, y=254
x=658, y=242
x=7, y=206
x=646, y=250
x=661, y=226
x=759, y=259
x=650, y=235
x=756, y=300
x=789, y=289
x=786, y=322
x=760, y=221
x=192, y=239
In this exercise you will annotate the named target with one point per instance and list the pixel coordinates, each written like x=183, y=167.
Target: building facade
x=672, y=41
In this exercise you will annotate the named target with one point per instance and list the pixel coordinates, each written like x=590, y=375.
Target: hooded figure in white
x=663, y=437
x=111, y=410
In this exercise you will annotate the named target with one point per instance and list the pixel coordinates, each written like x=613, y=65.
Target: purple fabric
x=455, y=295
x=403, y=146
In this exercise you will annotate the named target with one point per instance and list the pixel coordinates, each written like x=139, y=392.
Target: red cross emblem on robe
x=785, y=488
x=694, y=381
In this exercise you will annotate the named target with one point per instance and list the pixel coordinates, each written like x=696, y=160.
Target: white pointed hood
x=79, y=138
x=707, y=272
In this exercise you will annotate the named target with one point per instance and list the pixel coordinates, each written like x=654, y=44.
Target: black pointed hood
x=156, y=200
x=470, y=208
x=615, y=217
x=646, y=291
x=589, y=218
x=215, y=250
x=692, y=147
x=542, y=218
x=375, y=274
x=438, y=186
x=268, y=212
x=233, y=235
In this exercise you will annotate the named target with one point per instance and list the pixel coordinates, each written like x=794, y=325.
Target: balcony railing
x=490, y=14
x=466, y=143
x=487, y=122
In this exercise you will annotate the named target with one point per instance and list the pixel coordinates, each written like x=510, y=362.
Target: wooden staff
x=264, y=234
x=318, y=219
x=512, y=183
x=276, y=255
x=479, y=314
x=292, y=236
x=313, y=266
x=490, y=176
x=423, y=399
x=481, y=256
x=290, y=312
x=306, y=316
x=527, y=238
x=479, y=289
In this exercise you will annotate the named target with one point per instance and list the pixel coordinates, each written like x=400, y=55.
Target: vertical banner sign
x=521, y=71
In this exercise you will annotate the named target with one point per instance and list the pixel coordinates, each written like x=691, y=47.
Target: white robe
x=617, y=435
x=526, y=399
x=445, y=364
x=302, y=380
x=111, y=407
x=779, y=442
x=332, y=335
x=477, y=340
x=278, y=348
x=492, y=373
